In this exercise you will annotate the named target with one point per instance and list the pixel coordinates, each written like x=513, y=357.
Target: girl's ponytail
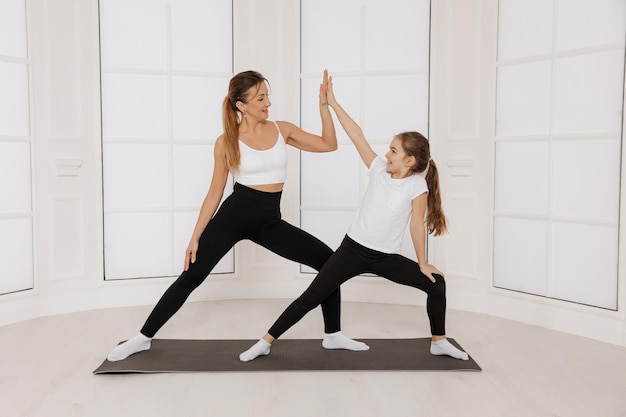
x=435, y=219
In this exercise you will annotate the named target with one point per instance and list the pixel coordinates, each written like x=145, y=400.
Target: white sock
x=443, y=347
x=262, y=347
x=339, y=341
x=136, y=344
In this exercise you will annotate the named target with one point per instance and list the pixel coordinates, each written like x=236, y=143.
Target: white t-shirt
x=385, y=209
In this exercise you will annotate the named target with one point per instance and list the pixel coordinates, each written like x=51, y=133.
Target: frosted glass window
x=409, y=111
x=575, y=279
x=589, y=93
x=165, y=69
x=518, y=188
x=381, y=77
x=16, y=214
x=137, y=245
x=341, y=27
x=195, y=112
x=133, y=33
x=134, y=106
x=15, y=179
x=193, y=168
x=586, y=176
x=524, y=28
x=13, y=29
x=584, y=23
x=388, y=22
x=192, y=32
x=323, y=188
x=14, y=111
x=16, y=254
x=126, y=186
x=521, y=255
x=558, y=150
x=523, y=99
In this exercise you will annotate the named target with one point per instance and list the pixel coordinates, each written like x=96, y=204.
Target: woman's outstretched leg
x=217, y=239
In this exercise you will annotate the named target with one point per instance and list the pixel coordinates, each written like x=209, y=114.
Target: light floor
x=46, y=369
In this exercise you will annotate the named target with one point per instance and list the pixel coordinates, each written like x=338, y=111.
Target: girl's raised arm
x=354, y=131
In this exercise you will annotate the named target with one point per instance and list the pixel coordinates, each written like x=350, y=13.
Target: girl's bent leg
x=299, y=246
x=342, y=266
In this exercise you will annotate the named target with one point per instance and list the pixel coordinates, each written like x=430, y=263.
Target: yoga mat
x=176, y=355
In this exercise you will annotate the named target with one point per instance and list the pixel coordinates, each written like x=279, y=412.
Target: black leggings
x=352, y=259
x=254, y=215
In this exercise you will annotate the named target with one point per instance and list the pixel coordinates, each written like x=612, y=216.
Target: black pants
x=352, y=259
x=254, y=215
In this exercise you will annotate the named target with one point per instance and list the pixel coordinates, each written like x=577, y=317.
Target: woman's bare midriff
x=268, y=188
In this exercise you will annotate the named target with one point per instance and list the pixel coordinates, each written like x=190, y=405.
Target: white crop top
x=262, y=167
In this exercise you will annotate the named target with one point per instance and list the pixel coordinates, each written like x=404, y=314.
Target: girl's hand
x=324, y=90
x=429, y=270
x=190, y=253
x=330, y=96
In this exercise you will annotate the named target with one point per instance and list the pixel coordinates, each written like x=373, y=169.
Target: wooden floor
x=46, y=369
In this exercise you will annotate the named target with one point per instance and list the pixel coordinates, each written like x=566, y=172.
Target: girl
x=254, y=150
x=402, y=188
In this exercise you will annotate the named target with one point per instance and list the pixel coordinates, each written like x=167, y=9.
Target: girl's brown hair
x=417, y=146
x=238, y=88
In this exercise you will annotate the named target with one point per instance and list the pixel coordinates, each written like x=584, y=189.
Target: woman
x=403, y=188
x=254, y=150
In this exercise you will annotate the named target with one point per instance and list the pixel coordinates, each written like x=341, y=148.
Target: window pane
x=134, y=106
x=525, y=193
x=518, y=38
x=589, y=93
x=136, y=245
x=165, y=70
x=584, y=23
x=133, y=33
x=16, y=255
x=193, y=30
x=16, y=222
x=323, y=187
x=13, y=29
x=135, y=176
x=196, y=114
x=520, y=255
x=586, y=179
x=523, y=99
x=14, y=111
x=193, y=168
x=408, y=112
x=341, y=27
x=588, y=282
x=567, y=93
x=388, y=25
x=15, y=180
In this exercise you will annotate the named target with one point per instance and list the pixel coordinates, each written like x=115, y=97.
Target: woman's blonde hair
x=238, y=88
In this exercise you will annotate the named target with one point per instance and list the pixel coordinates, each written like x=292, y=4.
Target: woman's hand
x=324, y=89
x=429, y=270
x=190, y=253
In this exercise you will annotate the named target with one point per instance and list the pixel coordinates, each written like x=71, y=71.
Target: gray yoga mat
x=181, y=355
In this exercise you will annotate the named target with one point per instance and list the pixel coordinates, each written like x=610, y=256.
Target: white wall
x=63, y=41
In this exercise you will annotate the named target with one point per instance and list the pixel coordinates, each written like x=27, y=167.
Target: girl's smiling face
x=398, y=162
